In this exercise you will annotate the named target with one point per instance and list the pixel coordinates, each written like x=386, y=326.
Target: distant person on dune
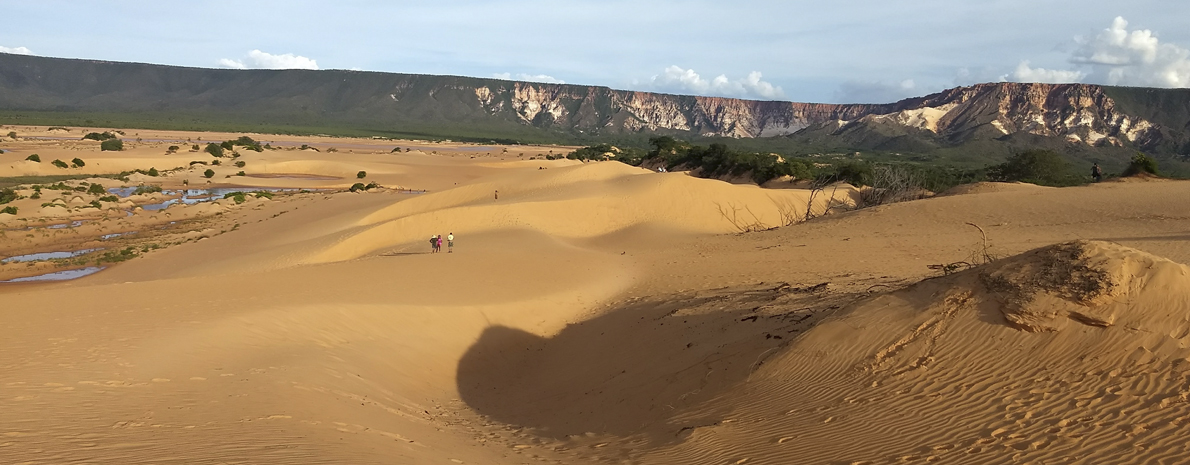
x=433, y=244
x=496, y=196
x=1097, y=173
x=450, y=243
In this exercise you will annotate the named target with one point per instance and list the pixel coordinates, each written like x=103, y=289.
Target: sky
x=859, y=51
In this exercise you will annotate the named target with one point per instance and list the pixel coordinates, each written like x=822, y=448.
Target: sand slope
x=1074, y=353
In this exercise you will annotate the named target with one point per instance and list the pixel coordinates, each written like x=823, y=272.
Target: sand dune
x=600, y=313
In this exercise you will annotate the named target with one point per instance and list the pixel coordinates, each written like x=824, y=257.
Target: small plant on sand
x=34, y=158
x=96, y=189
x=113, y=145
x=240, y=173
x=172, y=149
x=398, y=149
x=240, y=164
x=194, y=148
x=12, y=135
x=60, y=164
x=197, y=162
x=153, y=172
x=359, y=186
x=361, y=174
x=1141, y=163
x=332, y=150
x=77, y=163
x=209, y=173
x=216, y=163
x=109, y=198
x=263, y=194
x=11, y=210
x=115, y=256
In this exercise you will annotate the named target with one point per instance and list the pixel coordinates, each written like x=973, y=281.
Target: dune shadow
x=644, y=368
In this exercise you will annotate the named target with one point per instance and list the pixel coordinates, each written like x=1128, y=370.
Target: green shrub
x=149, y=189
x=99, y=136
x=1041, y=167
x=214, y=149
x=109, y=198
x=238, y=196
x=216, y=162
x=209, y=173
x=34, y=158
x=361, y=174
x=197, y=162
x=398, y=149
x=7, y=195
x=153, y=172
x=359, y=186
x=96, y=189
x=194, y=148
x=264, y=194
x=240, y=164
x=77, y=163
x=1141, y=163
x=117, y=256
x=11, y=210
x=60, y=164
x=96, y=204
x=12, y=135
x=113, y=145
x=227, y=145
x=172, y=149
x=332, y=150
x=240, y=173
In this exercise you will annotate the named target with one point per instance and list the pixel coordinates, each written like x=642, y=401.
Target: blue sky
x=813, y=51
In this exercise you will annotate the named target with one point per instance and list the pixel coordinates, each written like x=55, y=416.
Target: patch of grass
x=96, y=189
x=240, y=173
x=209, y=173
x=109, y=198
x=60, y=164
x=240, y=164
x=116, y=256
x=34, y=158
x=77, y=163
x=238, y=196
x=214, y=149
x=361, y=174
x=11, y=210
x=1141, y=163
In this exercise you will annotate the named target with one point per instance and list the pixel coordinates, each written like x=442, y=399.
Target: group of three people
x=436, y=243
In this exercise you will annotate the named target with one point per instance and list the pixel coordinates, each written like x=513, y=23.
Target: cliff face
x=1084, y=115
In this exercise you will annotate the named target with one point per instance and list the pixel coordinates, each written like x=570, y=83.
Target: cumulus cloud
x=529, y=77
x=16, y=51
x=1118, y=56
x=257, y=59
x=678, y=80
x=875, y=91
x=1025, y=73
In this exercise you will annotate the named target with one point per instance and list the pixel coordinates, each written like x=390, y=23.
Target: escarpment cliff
x=1086, y=116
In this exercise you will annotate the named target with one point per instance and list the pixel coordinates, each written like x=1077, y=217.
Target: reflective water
x=115, y=235
x=194, y=196
x=59, y=275
x=33, y=257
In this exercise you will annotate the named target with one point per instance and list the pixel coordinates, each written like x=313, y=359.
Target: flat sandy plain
x=594, y=313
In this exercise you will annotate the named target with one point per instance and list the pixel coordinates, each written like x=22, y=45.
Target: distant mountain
x=986, y=118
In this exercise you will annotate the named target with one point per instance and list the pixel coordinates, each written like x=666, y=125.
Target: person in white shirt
x=450, y=243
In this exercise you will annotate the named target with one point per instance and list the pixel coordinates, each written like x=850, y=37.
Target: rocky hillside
x=1087, y=116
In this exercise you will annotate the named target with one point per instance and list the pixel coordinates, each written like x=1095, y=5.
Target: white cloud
x=16, y=51
x=1117, y=56
x=257, y=59
x=1025, y=73
x=678, y=80
x=529, y=77
x=875, y=91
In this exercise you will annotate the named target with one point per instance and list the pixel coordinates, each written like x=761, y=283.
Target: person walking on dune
x=450, y=243
x=433, y=244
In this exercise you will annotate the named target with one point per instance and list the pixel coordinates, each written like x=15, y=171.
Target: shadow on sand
x=634, y=369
